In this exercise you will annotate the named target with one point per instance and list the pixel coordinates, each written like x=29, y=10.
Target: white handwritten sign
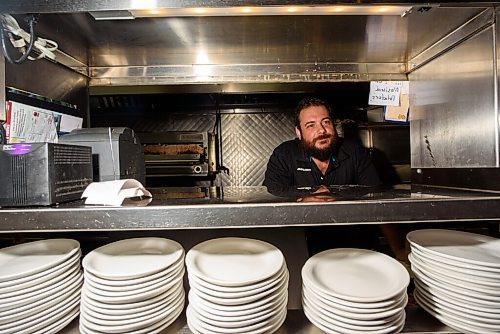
x=384, y=93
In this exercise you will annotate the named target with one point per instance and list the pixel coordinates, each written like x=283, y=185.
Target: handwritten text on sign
x=384, y=93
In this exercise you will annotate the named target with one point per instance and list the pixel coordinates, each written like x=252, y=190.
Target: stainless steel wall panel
x=247, y=143
x=453, y=115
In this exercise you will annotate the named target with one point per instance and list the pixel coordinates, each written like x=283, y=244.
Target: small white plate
x=356, y=275
x=132, y=284
x=238, y=308
x=360, y=306
x=456, y=318
x=278, y=286
x=15, y=303
x=237, y=314
x=234, y=261
x=139, y=324
x=457, y=245
x=377, y=315
x=39, y=278
x=332, y=321
x=454, y=272
x=132, y=258
x=33, y=257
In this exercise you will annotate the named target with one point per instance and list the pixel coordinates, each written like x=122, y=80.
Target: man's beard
x=322, y=154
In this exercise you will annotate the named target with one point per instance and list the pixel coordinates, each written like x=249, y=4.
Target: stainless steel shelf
x=417, y=322
x=253, y=207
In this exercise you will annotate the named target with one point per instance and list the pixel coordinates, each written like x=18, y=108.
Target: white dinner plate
x=462, y=320
x=135, y=289
x=457, y=245
x=278, y=286
x=257, y=319
x=452, y=272
x=238, y=289
x=58, y=325
x=263, y=327
x=139, y=324
x=134, y=297
x=324, y=326
x=333, y=321
x=15, y=303
x=132, y=258
x=234, y=261
x=41, y=277
x=461, y=308
x=452, y=281
x=121, y=285
x=360, y=306
x=237, y=314
x=378, y=315
x=34, y=257
x=356, y=275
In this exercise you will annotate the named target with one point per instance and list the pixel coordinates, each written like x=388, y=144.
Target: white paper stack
x=40, y=285
x=116, y=193
x=132, y=285
x=457, y=278
x=350, y=290
x=238, y=285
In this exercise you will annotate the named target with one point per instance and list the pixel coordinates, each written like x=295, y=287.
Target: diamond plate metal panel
x=200, y=123
x=247, y=143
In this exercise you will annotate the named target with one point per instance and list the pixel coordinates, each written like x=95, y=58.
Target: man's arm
x=278, y=177
x=367, y=173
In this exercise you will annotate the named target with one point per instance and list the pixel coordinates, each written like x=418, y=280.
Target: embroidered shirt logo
x=304, y=169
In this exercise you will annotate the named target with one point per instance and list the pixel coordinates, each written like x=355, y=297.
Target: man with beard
x=319, y=158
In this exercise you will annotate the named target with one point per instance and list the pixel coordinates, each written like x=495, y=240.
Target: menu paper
x=398, y=113
x=386, y=93
x=117, y=193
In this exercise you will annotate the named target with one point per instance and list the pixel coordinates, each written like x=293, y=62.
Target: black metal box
x=43, y=173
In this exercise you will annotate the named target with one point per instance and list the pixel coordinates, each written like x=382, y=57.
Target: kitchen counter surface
x=212, y=207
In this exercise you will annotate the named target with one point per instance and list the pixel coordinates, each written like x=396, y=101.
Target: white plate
x=33, y=257
x=132, y=284
x=238, y=309
x=352, y=312
x=15, y=303
x=39, y=278
x=139, y=288
x=234, y=261
x=316, y=321
x=58, y=325
x=360, y=306
x=457, y=245
x=236, y=314
x=233, y=323
x=132, y=258
x=129, y=308
x=448, y=271
x=337, y=322
x=133, y=297
x=455, y=289
x=463, y=321
x=238, y=289
x=461, y=308
x=139, y=324
x=491, y=271
x=356, y=275
x=454, y=282
x=262, y=327
x=247, y=299
x=96, y=317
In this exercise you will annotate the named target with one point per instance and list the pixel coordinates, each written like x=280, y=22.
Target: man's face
x=317, y=132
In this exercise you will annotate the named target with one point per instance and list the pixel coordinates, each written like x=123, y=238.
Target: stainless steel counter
x=245, y=207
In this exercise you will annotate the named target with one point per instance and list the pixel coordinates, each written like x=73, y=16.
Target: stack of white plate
x=457, y=278
x=132, y=285
x=237, y=285
x=348, y=290
x=40, y=285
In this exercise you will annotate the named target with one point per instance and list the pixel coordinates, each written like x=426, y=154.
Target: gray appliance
x=116, y=152
x=43, y=173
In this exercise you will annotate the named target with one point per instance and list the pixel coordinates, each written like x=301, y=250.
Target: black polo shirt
x=290, y=168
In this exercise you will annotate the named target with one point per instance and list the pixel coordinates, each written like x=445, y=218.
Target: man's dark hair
x=310, y=102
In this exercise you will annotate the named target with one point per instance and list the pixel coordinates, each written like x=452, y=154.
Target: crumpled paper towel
x=117, y=193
